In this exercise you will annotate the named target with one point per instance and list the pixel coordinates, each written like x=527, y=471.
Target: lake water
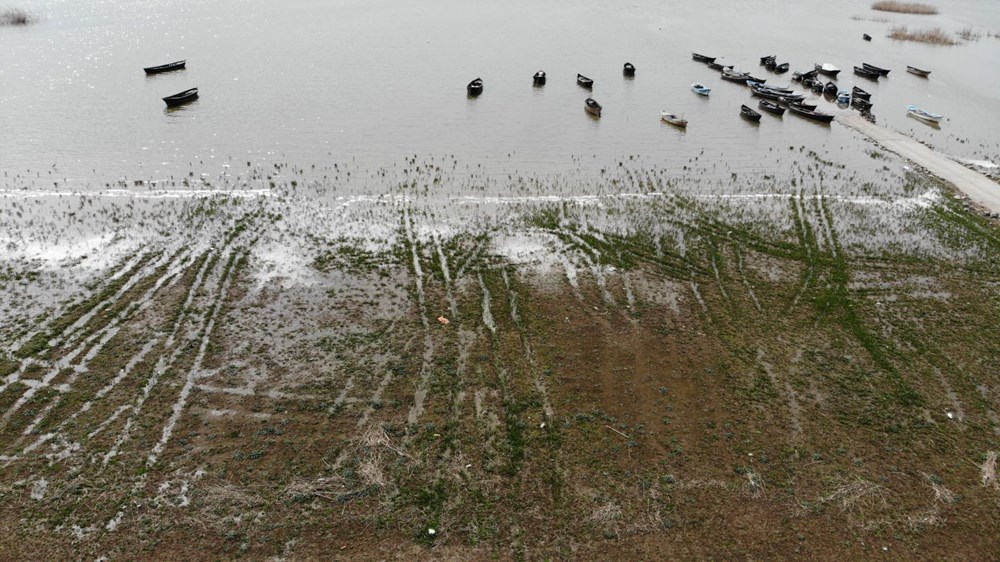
x=311, y=83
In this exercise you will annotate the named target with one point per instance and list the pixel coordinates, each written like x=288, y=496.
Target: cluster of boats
x=179, y=98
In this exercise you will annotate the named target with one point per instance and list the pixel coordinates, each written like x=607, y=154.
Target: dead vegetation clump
x=988, y=470
x=968, y=34
x=857, y=495
x=15, y=16
x=933, y=36
x=905, y=7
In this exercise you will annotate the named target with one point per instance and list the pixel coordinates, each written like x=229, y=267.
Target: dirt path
x=978, y=187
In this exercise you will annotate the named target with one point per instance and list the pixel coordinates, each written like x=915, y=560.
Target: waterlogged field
x=430, y=361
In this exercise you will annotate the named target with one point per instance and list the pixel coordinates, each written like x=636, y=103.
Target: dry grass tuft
x=15, y=16
x=605, y=514
x=968, y=34
x=754, y=485
x=988, y=470
x=933, y=36
x=905, y=7
x=857, y=495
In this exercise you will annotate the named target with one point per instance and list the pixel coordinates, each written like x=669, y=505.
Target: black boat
x=817, y=86
x=753, y=78
x=811, y=74
x=584, y=81
x=918, y=71
x=857, y=92
x=797, y=76
x=764, y=60
x=181, y=98
x=629, y=69
x=799, y=103
x=781, y=68
x=749, y=113
x=169, y=67
x=830, y=88
x=719, y=66
x=771, y=63
x=861, y=103
x=827, y=68
x=866, y=37
x=808, y=82
x=539, y=78
x=880, y=70
x=810, y=114
x=702, y=58
x=732, y=76
x=475, y=87
x=865, y=73
x=774, y=94
x=771, y=107
x=592, y=107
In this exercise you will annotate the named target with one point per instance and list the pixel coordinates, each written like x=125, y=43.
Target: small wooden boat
x=584, y=81
x=475, y=87
x=811, y=114
x=181, y=98
x=808, y=82
x=753, y=78
x=861, y=103
x=830, y=88
x=592, y=107
x=539, y=78
x=702, y=58
x=673, y=119
x=767, y=59
x=699, y=89
x=733, y=76
x=879, y=69
x=748, y=113
x=719, y=66
x=817, y=86
x=628, y=69
x=827, y=69
x=859, y=93
x=771, y=63
x=865, y=73
x=799, y=103
x=843, y=97
x=917, y=71
x=169, y=67
x=781, y=68
x=771, y=107
x=866, y=37
x=923, y=115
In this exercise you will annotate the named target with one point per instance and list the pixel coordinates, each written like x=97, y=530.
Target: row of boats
x=475, y=87
x=179, y=98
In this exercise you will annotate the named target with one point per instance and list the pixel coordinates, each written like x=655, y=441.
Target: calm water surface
x=312, y=83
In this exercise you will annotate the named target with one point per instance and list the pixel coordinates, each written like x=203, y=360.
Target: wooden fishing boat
x=830, y=88
x=827, y=69
x=917, y=71
x=475, y=87
x=719, y=66
x=733, y=76
x=781, y=68
x=592, y=107
x=866, y=37
x=169, y=67
x=583, y=81
x=865, y=73
x=923, y=115
x=539, y=78
x=859, y=93
x=628, y=69
x=799, y=103
x=817, y=86
x=767, y=59
x=879, y=69
x=811, y=114
x=702, y=58
x=861, y=103
x=748, y=113
x=775, y=95
x=673, y=119
x=699, y=89
x=771, y=107
x=181, y=98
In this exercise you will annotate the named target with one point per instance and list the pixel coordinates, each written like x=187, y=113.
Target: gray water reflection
x=310, y=82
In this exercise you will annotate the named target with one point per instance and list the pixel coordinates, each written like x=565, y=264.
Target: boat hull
x=918, y=72
x=169, y=67
x=181, y=98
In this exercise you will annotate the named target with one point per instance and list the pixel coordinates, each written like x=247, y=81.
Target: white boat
x=673, y=119
x=826, y=68
x=699, y=89
x=924, y=115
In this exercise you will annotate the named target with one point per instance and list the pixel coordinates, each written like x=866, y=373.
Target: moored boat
x=859, y=93
x=827, y=69
x=628, y=69
x=475, y=87
x=879, y=69
x=592, y=107
x=702, y=58
x=817, y=86
x=584, y=81
x=748, y=113
x=830, y=88
x=924, y=115
x=539, y=78
x=810, y=114
x=799, y=103
x=673, y=119
x=719, y=66
x=865, y=73
x=700, y=89
x=181, y=98
x=861, y=103
x=771, y=107
x=767, y=59
x=781, y=68
x=169, y=67
x=918, y=71
x=733, y=76
x=866, y=37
